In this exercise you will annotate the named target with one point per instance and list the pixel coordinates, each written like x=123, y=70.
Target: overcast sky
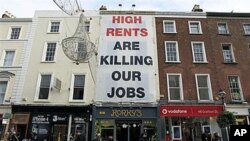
x=26, y=8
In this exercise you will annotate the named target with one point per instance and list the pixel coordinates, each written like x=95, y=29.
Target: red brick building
x=199, y=55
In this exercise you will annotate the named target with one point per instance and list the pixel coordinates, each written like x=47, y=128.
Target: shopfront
x=188, y=122
x=115, y=123
x=52, y=123
x=241, y=113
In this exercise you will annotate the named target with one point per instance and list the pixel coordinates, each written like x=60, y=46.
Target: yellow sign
x=126, y=113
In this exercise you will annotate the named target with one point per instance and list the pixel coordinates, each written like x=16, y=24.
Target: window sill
x=76, y=101
x=48, y=61
x=169, y=32
x=195, y=33
x=176, y=101
x=224, y=34
x=200, y=62
x=176, y=62
x=205, y=101
x=53, y=32
x=230, y=63
x=41, y=101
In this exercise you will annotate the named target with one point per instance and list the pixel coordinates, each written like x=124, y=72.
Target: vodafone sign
x=189, y=110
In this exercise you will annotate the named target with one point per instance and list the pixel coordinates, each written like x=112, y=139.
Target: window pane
x=3, y=87
x=174, y=87
x=44, y=86
x=203, y=87
x=247, y=28
x=55, y=26
x=227, y=53
x=198, y=52
x=171, y=51
x=174, y=94
x=9, y=57
x=194, y=28
x=169, y=27
x=79, y=83
x=234, y=87
x=15, y=33
x=50, y=53
x=222, y=28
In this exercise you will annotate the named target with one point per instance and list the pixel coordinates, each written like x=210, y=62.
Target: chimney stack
x=197, y=8
x=103, y=7
x=8, y=15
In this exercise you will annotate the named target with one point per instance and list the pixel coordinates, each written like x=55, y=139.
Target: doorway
x=60, y=132
x=128, y=130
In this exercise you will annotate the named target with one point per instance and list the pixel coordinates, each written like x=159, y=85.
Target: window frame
x=209, y=86
x=87, y=26
x=45, y=52
x=226, y=27
x=169, y=21
x=199, y=26
x=2, y=61
x=203, y=52
x=72, y=88
x=240, y=88
x=38, y=86
x=245, y=33
x=180, y=86
x=177, y=52
x=6, y=90
x=50, y=24
x=10, y=32
x=231, y=51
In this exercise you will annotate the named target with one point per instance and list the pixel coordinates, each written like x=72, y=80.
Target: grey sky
x=26, y=8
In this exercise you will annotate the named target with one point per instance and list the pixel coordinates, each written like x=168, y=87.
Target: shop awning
x=190, y=110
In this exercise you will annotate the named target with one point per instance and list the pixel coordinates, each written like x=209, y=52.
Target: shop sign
x=40, y=119
x=126, y=112
x=5, y=121
x=60, y=118
x=190, y=111
x=126, y=65
x=78, y=120
x=238, y=111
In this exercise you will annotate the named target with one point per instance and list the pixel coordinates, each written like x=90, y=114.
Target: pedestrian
x=216, y=137
x=204, y=136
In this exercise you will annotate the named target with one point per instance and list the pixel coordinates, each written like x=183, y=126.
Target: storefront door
x=128, y=130
x=60, y=132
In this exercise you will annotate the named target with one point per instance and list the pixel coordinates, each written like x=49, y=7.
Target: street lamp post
x=222, y=97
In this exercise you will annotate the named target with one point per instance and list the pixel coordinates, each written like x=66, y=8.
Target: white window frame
x=179, y=127
x=246, y=33
x=169, y=21
x=181, y=87
x=4, y=80
x=45, y=51
x=50, y=23
x=240, y=88
x=10, y=31
x=205, y=127
x=203, y=52
x=227, y=30
x=177, y=51
x=231, y=50
x=210, y=95
x=199, y=26
x=38, y=87
x=4, y=55
x=72, y=87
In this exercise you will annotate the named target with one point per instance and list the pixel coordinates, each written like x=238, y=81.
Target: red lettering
x=127, y=19
x=144, y=32
x=110, y=32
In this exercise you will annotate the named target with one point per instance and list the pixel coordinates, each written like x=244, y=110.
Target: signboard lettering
x=126, y=59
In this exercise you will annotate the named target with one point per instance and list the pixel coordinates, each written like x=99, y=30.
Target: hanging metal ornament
x=79, y=48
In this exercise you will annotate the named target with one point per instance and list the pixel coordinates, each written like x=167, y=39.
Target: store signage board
x=126, y=67
x=189, y=111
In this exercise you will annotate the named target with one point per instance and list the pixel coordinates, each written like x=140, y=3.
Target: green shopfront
x=125, y=123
